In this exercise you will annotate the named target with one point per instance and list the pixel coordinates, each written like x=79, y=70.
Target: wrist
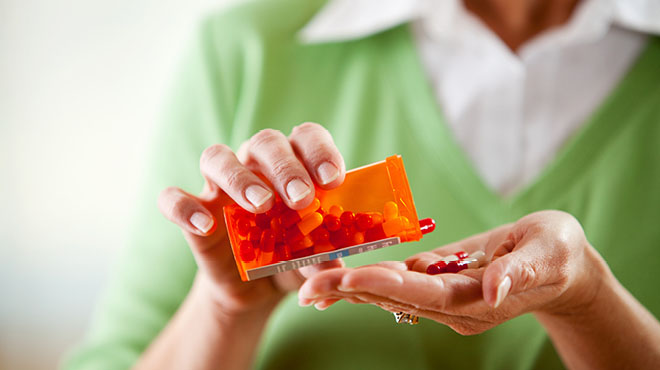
x=593, y=278
x=220, y=303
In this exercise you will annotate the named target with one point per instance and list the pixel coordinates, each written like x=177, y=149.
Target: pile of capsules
x=282, y=234
x=456, y=262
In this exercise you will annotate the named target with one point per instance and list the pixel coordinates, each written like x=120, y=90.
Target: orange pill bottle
x=372, y=209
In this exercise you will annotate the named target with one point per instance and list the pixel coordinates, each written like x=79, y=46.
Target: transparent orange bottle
x=372, y=209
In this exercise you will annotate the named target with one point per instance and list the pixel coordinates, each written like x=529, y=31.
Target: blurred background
x=81, y=83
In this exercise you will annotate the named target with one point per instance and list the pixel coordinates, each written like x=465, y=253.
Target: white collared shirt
x=510, y=112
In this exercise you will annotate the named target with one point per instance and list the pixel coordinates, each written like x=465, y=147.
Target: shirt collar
x=343, y=20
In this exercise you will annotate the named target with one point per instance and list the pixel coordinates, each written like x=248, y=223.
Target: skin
x=554, y=272
x=222, y=317
x=517, y=21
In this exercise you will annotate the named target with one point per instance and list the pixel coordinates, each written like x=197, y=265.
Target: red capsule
x=254, y=235
x=332, y=222
x=320, y=235
x=456, y=266
x=375, y=233
x=277, y=209
x=363, y=221
x=282, y=252
x=426, y=225
x=267, y=242
x=262, y=220
x=461, y=255
x=267, y=246
x=243, y=226
x=303, y=252
x=341, y=238
x=347, y=218
x=437, y=268
x=246, y=251
x=240, y=212
x=292, y=235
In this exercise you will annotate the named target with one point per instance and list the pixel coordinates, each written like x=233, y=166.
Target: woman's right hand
x=292, y=165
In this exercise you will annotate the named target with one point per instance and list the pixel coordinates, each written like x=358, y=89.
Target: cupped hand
x=292, y=165
x=541, y=263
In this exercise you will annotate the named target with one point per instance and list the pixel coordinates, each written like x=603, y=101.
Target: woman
x=544, y=106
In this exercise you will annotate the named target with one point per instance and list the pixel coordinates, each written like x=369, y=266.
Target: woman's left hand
x=541, y=263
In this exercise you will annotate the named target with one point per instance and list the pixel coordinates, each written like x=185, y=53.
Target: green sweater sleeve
x=155, y=269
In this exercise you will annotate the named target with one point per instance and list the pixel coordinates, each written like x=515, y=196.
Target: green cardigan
x=247, y=71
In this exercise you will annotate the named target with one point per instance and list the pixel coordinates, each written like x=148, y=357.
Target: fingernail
x=201, y=221
x=257, y=195
x=502, y=290
x=304, y=303
x=327, y=173
x=320, y=307
x=296, y=189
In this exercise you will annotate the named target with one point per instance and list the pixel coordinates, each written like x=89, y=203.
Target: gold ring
x=406, y=318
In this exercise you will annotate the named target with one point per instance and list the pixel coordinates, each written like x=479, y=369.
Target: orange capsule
x=390, y=211
x=393, y=226
x=304, y=227
x=336, y=210
x=323, y=247
x=310, y=222
x=376, y=217
x=291, y=216
x=358, y=238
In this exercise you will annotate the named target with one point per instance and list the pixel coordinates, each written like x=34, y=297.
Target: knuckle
x=307, y=127
x=234, y=179
x=171, y=202
x=265, y=137
x=283, y=167
x=212, y=152
x=527, y=276
x=178, y=206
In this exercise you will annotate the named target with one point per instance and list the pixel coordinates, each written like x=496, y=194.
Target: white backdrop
x=80, y=84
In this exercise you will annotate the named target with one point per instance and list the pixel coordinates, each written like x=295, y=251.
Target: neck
x=518, y=21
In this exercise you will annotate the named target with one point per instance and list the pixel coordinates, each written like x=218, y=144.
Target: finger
x=314, y=145
x=324, y=304
x=482, y=242
x=292, y=280
x=319, y=285
x=529, y=264
x=326, y=283
x=393, y=265
x=421, y=261
x=425, y=291
x=270, y=152
x=220, y=165
x=186, y=211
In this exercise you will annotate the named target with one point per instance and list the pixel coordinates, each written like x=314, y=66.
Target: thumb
x=522, y=269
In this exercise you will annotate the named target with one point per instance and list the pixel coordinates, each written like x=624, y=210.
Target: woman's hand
x=542, y=263
x=292, y=165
